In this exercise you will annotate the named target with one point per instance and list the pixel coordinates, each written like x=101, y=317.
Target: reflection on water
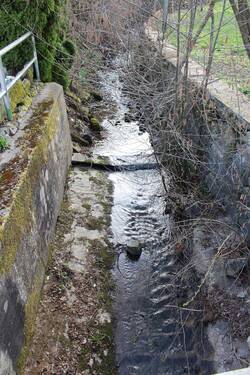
x=138, y=214
x=123, y=140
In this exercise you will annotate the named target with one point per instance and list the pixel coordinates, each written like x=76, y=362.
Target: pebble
x=13, y=131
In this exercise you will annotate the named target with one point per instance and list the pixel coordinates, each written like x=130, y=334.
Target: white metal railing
x=5, y=85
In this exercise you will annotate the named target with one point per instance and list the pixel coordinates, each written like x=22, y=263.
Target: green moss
x=102, y=341
x=102, y=335
x=20, y=94
x=87, y=206
x=31, y=308
x=27, y=102
x=30, y=74
x=83, y=358
x=95, y=124
x=73, y=96
x=84, y=96
x=70, y=47
x=17, y=94
x=26, y=86
x=104, y=255
x=94, y=223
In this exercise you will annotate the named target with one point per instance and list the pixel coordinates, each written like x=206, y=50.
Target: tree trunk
x=242, y=15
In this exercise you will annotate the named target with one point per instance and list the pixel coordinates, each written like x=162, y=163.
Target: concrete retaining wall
x=32, y=178
x=224, y=136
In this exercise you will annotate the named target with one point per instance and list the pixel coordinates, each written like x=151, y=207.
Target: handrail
x=5, y=87
x=12, y=45
x=18, y=76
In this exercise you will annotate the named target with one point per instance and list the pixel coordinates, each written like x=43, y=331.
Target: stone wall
x=224, y=135
x=32, y=178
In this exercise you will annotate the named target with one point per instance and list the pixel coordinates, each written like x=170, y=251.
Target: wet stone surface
x=73, y=333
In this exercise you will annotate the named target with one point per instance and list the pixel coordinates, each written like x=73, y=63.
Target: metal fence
x=5, y=85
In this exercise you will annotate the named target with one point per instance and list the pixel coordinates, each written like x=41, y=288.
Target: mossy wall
x=48, y=20
x=28, y=217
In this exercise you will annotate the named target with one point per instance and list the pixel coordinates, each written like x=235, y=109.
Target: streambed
x=153, y=335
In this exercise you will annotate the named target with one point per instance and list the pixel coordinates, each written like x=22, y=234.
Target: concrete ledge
x=235, y=102
x=223, y=135
x=32, y=177
x=219, y=124
x=244, y=371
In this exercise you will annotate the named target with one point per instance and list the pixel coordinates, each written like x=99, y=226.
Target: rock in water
x=134, y=249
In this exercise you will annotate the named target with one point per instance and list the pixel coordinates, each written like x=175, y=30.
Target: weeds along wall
x=48, y=19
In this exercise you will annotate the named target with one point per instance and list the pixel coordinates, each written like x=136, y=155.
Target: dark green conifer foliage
x=48, y=20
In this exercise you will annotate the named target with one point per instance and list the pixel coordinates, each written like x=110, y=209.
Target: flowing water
x=153, y=336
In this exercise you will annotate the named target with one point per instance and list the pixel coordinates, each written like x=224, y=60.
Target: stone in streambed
x=134, y=249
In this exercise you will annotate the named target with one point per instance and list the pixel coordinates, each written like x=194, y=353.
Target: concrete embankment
x=73, y=331
x=32, y=177
x=219, y=125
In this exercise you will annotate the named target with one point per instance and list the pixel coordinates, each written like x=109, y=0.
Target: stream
x=152, y=334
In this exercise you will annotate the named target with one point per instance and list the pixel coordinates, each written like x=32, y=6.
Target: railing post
x=6, y=98
x=36, y=59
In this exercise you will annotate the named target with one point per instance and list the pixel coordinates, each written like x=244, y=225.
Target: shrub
x=48, y=20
